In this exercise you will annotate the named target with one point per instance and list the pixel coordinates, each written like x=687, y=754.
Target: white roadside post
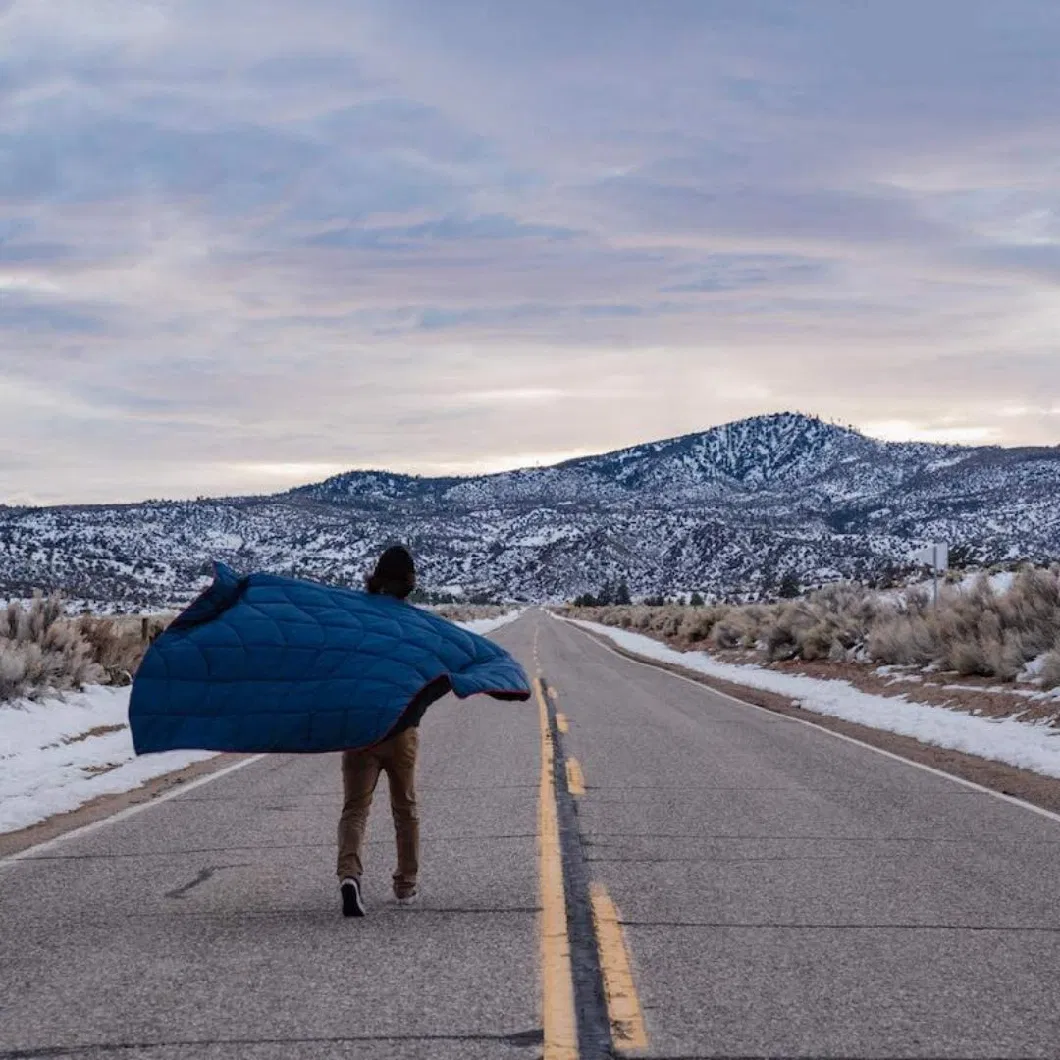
x=937, y=556
x=939, y=562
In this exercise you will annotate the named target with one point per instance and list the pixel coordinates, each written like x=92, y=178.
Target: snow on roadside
x=1024, y=744
x=61, y=752
x=482, y=626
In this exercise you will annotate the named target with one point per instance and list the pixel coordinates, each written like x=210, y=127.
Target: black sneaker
x=352, y=903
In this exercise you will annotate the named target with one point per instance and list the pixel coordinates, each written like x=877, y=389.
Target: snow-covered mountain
x=732, y=509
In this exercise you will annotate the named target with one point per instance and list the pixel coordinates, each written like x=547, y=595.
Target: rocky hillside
x=730, y=510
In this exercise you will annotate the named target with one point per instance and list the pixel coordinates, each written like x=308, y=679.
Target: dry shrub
x=118, y=644
x=698, y=623
x=736, y=628
x=1050, y=671
x=787, y=629
x=830, y=624
x=468, y=612
x=817, y=641
x=976, y=631
x=41, y=650
x=967, y=658
x=903, y=640
x=996, y=634
x=670, y=621
x=1008, y=655
x=758, y=617
x=1031, y=609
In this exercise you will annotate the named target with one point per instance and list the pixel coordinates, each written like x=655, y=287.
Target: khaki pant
x=360, y=773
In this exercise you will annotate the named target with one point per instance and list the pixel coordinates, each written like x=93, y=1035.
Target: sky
x=246, y=244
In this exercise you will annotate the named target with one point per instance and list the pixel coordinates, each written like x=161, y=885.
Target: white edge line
x=175, y=792
x=838, y=735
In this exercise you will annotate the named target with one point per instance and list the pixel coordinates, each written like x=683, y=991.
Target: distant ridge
x=731, y=509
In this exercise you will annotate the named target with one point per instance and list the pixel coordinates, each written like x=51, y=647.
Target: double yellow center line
x=558, y=1006
x=557, y=985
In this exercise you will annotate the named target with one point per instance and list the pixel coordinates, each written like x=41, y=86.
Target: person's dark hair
x=394, y=574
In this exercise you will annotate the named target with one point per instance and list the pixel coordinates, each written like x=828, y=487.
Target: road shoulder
x=104, y=806
x=1033, y=788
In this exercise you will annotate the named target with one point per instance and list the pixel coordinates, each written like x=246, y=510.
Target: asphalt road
x=778, y=893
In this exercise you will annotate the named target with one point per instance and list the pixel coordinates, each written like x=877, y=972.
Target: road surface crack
x=202, y=877
x=521, y=1039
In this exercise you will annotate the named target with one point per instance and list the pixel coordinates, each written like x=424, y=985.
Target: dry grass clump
x=902, y=639
x=118, y=644
x=831, y=624
x=44, y=651
x=737, y=627
x=722, y=626
x=998, y=634
x=973, y=631
x=977, y=632
x=40, y=650
x=1050, y=670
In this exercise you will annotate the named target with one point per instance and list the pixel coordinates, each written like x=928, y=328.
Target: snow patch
x=482, y=626
x=58, y=754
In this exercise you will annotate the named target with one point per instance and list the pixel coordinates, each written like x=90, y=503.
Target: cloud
x=19, y=313
x=279, y=235
x=445, y=230
x=1040, y=261
x=904, y=430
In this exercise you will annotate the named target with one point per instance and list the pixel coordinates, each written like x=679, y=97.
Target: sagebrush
x=43, y=650
x=469, y=612
x=977, y=630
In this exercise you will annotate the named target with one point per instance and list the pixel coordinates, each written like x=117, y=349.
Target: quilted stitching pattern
x=267, y=663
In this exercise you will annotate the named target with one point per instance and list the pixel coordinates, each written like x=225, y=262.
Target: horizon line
x=888, y=432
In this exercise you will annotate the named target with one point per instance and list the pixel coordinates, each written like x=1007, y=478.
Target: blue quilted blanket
x=266, y=663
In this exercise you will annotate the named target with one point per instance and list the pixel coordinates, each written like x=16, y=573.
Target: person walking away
x=394, y=575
